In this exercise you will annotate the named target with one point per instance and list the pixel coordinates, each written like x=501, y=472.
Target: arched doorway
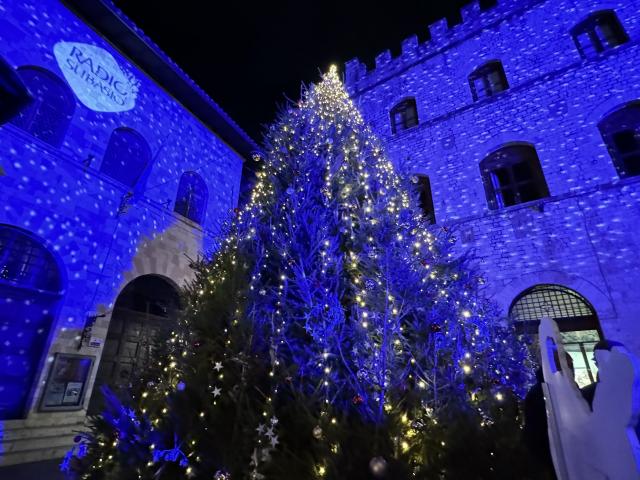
x=146, y=307
x=31, y=287
x=576, y=318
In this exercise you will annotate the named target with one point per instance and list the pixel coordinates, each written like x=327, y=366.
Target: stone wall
x=585, y=234
x=60, y=196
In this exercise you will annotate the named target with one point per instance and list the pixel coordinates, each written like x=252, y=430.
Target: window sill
x=533, y=205
x=188, y=221
x=27, y=288
x=538, y=205
x=403, y=132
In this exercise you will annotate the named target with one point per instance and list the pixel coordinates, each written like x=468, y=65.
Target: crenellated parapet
x=440, y=37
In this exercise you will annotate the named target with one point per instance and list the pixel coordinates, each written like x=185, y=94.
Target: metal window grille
x=26, y=263
x=577, y=321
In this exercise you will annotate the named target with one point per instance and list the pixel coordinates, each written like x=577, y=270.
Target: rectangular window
x=481, y=88
x=404, y=115
x=627, y=144
x=515, y=184
x=513, y=175
x=426, y=198
x=496, y=82
x=598, y=32
x=488, y=80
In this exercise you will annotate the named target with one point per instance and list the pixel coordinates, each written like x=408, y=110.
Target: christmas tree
x=333, y=334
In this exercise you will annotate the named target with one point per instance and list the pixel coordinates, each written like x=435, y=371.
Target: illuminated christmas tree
x=334, y=334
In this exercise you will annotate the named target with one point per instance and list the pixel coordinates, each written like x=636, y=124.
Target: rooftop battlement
x=474, y=18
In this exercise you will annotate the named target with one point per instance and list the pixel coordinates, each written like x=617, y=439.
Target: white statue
x=586, y=444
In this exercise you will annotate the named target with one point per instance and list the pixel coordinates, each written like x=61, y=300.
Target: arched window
x=49, y=114
x=30, y=290
x=191, y=201
x=127, y=157
x=513, y=175
x=487, y=80
x=404, y=115
x=598, y=32
x=621, y=133
x=14, y=95
x=423, y=187
x=576, y=318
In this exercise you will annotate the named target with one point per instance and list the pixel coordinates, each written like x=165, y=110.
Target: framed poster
x=67, y=382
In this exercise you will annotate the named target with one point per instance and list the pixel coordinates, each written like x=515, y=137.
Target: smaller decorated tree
x=334, y=334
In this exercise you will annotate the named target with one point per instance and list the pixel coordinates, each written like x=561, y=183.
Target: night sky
x=250, y=56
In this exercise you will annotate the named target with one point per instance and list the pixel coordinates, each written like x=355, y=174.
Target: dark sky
x=249, y=55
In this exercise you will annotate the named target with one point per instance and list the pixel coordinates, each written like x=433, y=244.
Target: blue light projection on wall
x=127, y=157
x=91, y=181
x=96, y=78
x=14, y=95
x=571, y=216
x=620, y=130
x=30, y=291
x=49, y=114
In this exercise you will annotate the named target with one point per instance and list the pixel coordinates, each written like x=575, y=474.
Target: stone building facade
x=115, y=171
x=521, y=128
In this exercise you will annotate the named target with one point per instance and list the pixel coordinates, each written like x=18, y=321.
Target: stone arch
x=144, y=313
x=507, y=139
x=399, y=98
x=610, y=105
x=32, y=286
x=597, y=297
x=166, y=254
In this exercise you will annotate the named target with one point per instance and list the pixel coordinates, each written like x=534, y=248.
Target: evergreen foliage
x=334, y=334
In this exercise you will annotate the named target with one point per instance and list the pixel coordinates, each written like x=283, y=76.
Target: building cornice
x=122, y=33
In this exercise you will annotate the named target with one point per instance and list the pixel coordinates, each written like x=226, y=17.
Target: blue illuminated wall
x=98, y=192
x=586, y=234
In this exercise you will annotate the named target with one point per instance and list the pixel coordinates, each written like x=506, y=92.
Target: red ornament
x=435, y=328
x=197, y=344
x=358, y=400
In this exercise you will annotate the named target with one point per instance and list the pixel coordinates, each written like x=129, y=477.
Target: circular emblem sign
x=96, y=78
